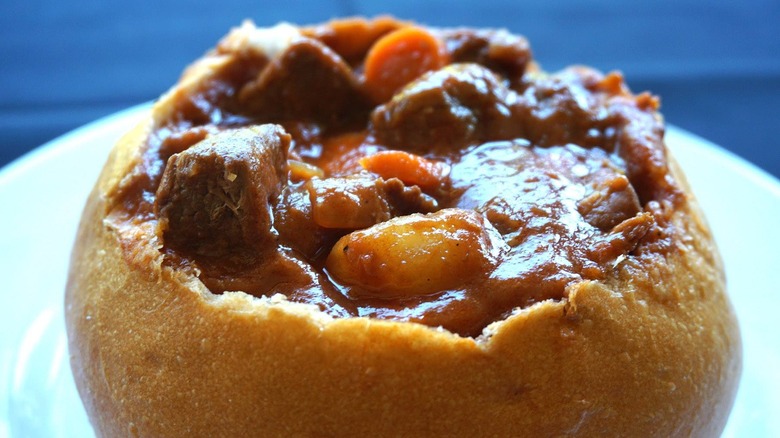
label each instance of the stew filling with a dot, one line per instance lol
(383, 169)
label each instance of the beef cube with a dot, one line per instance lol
(308, 81)
(612, 201)
(453, 107)
(214, 197)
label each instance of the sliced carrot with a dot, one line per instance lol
(410, 168)
(399, 58)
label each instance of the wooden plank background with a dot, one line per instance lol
(715, 64)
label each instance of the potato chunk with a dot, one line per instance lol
(416, 255)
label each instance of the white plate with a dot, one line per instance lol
(42, 196)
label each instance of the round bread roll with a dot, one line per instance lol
(373, 228)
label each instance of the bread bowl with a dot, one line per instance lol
(295, 243)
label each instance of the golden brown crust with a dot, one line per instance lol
(653, 351)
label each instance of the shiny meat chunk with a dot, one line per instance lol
(640, 144)
(558, 109)
(308, 81)
(623, 238)
(453, 107)
(310, 216)
(506, 54)
(295, 225)
(348, 202)
(612, 201)
(582, 106)
(362, 200)
(407, 199)
(214, 197)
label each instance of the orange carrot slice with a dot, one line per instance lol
(410, 168)
(399, 58)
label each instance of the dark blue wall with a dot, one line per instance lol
(716, 64)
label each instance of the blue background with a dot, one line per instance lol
(715, 64)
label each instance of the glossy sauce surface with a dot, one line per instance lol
(475, 187)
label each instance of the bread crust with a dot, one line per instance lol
(654, 350)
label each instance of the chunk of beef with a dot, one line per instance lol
(308, 81)
(504, 53)
(347, 202)
(639, 142)
(582, 106)
(362, 200)
(612, 201)
(453, 107)
(214, 197)
(310, 216)
(294, 222)
(407, 199)
(623, 238)
(558, 109)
